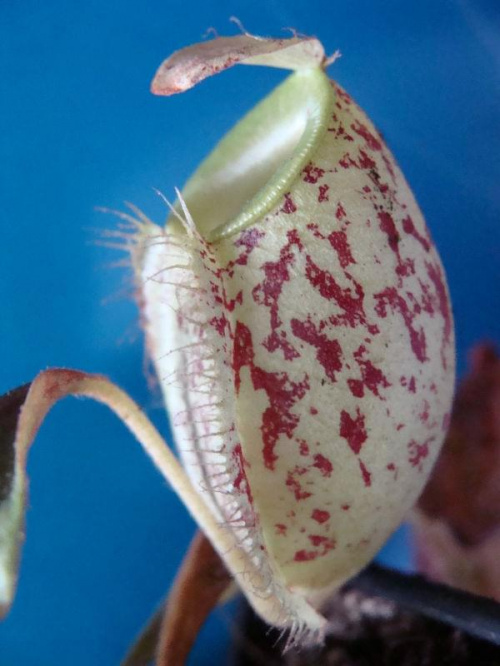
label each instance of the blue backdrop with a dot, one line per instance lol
(79, 129)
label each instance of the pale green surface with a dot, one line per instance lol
(257, 161)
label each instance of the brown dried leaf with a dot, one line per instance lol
(199, 584)
(187, 67)
(443, 557)
(458, 522)
(464, 489)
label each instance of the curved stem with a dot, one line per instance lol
(52, 385)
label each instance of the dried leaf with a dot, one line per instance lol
(464, 489)
(443, 557)
(457, 525)
(187, 67)
(200, 582)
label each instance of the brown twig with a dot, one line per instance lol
(201, 581)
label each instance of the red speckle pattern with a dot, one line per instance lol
(372, 378)
(323, 464)
(320, 516)
(409, 228)
(443, 307)
(418, 452)
(328, 352)
(367, 477)
(303, 447)
(323, 193)
(278, 419)
(289, 206)
(338, 240)
(323, 545)
(332, 335)
(241, 481)
(268, 291)
(353, 430)
(312, 173)
(391, 299)
(293, 483)
(371, 141)
(349, 300)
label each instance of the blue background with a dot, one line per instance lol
(79, 129)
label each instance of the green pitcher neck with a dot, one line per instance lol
(257, 161)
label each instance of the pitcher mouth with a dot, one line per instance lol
(257, 161)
